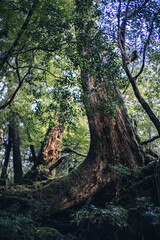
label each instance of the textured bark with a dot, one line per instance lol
(17, 163)
(48, 155)
(112, 141)
(7, 156)
(53, 147)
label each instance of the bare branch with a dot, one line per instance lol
(121, 35)
(17, 70)
(150, 140)
(144, 51)
(58, 162)
(69, 150)
(121, 38)
(145, 105)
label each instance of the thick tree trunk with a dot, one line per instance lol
(112, 141)
(17, 162)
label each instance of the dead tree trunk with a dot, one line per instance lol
(53, 147)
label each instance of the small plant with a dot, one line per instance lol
(19, 226)
(113, 215)
(147, 210)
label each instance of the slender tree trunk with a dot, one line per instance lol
(17, 163)
(34, 157)
(40, 156)
(7, 156)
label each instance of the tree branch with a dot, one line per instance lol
(144, 52)
(19, 35)
(150, 140)
(43, 48)
(69, 150)
(132, 80)
(38, 68)
(17, 70)
(9, 100)
(145, 105)
(121, 35)
(58, 162)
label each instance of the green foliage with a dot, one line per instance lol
(147, 211)
(116, 216)
(44, 233)
(149, 88)
(121, 169)
(77, 137)
(16, 225)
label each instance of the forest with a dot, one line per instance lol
(79, 119)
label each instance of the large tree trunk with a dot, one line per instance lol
(112, 137)
(112, 141)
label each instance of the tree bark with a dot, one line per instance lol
(7, 156)
(48, 154)
(112, 142)
(17, 162)
(53, 147)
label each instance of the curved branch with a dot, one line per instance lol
(9, 100)
(58, 162)
(121, 33)
(121, 37)
(145, 105)
(16, 41)
(38, 68)
(144, 52)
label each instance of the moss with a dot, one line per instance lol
(44, 233)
